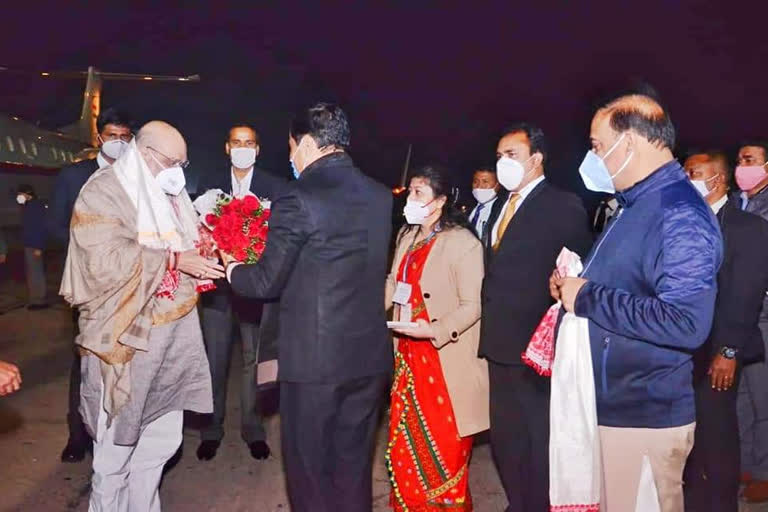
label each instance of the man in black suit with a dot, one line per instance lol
(327, 259)
(528, 231)
(220, 307)
(712, 471)
(115, 132)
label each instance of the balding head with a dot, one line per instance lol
(634, 136)
(161, 145)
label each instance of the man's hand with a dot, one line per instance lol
(423, 331)
(722, 372)
(191, 263)
(569, 289)
(226, 258)
(555, 281)
(10, 378)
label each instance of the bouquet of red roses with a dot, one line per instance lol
(239, 227)
(235, 226)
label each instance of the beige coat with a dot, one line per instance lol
(451, 284)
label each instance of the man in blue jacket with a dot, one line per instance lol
(648, 290)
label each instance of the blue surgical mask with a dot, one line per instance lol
(596, 175)
(296, 172)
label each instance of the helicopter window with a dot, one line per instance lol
(34, 148)
(9, 140)
(22, 146)
(54, 154)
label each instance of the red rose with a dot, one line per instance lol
(211, 219)
(250, 205)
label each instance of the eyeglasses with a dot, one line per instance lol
(174, 163)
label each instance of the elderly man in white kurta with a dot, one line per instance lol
(132, 269)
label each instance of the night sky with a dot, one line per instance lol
(446, 79)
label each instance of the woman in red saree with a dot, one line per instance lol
(439, 393)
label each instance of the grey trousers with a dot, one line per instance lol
(35, 272)
(752, 409)
(217, 332)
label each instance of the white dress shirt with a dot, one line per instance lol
(523, 193)
(482, 219)
(719, 204)
(242, 187)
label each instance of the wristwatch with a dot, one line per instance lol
(728, 352)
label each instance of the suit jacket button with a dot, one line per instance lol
(434, 320)
(454, 335)
(426, 295)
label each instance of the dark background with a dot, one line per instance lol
(445, 77)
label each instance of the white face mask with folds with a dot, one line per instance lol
(171, 179)
(242, 158)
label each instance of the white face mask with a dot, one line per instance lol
(701, 185)
(416, 212)
(483, 195)
(21, 198)
(511, 173)
(242, 158)
(171, 180)
(114, 148)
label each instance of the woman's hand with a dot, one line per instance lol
(191, 263)
(422, 331)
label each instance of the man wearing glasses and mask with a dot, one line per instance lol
(115, 132)
(132, 270)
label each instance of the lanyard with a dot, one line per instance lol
(408, 254)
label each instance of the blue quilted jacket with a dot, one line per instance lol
(650, 296)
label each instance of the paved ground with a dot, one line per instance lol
(33, 432)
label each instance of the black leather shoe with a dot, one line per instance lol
(75, 451)
(207, 450)
(259, 450)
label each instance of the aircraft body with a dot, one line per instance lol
(33, 156)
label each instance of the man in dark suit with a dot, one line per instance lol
(712, 471)
(528, 230)
(220, 308)
(327, 259)
(115, 132)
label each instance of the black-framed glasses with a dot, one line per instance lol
(180, 163)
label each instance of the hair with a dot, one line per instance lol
(643, 114)
(536, 141)
(25, 188)
(113, 116)
(436, 177)
(758, 143)
(485, 168)
(326, 123)
(717, 157)
(245, 125)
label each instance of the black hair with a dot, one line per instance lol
(245, 125)
(113, 116)
(326, 123)
(26, 189)
(536, 141)
(758, 143)
(437, 177)
(485, 168)
(643, 114)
